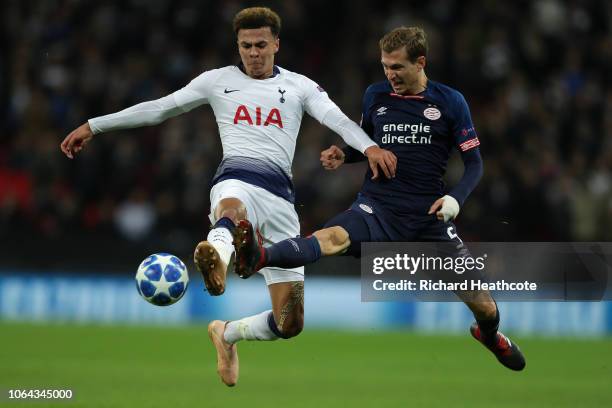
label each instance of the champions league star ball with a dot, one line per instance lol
(162, 279)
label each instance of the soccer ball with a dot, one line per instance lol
(162, 279)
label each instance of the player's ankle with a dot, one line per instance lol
(263, 259)
(488, 328)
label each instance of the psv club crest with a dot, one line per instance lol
(432, 113)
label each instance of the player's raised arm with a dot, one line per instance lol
(319, 106)
(143, 114)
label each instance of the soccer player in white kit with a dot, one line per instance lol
(258, 107)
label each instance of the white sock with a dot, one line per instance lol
(221, 238)
(249, 328)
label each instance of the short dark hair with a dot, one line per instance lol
(412, 38)
(257, 17)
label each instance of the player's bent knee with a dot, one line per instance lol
(231, 208)
(332, 240)
(293, 328)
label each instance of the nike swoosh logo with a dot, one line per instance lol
(230, 90)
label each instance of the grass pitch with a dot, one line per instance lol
(122, 366)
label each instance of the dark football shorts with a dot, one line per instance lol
(368, 221)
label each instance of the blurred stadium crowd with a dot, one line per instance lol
(535, 73)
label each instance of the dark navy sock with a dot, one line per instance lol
(293, 252)
(225, 222)
(272, 325)
(488, 328)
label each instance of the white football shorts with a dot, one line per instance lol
(275, 218)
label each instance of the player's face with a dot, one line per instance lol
(257, 47)
(403, 75)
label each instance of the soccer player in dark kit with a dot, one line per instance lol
(421, 122)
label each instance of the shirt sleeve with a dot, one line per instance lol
(350, 132)
(316, 101)
(150, 113)
(366, 119)
(351, 155)
(318, 105)
(198, 91)
(467, 142)
(472, 162)
(463, 127)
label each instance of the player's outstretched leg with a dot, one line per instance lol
(215, 256)
(227, 353)
(507, 352)
(251, 256)
(250, 253)
(286, 320)
(213, 267)
(485, 329)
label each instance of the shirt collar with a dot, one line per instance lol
(275, 70)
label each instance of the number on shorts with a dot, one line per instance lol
(452, 234)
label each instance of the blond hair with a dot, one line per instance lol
(412, 38)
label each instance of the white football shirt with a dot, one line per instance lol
(257, 118)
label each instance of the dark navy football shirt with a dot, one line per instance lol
(421, 130)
